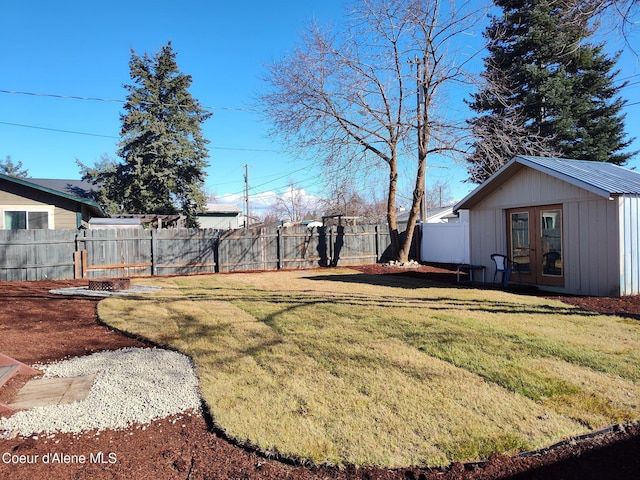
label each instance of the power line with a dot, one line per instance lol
(111, 100)
(53, 95)
(280, 176)
(57, 130)
(280, 187)
(74, 132)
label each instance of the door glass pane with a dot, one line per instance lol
(520, 241)
(15, 220)
(38, 220)
(551, 242)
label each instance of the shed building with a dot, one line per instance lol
(221, 216)
(571, 226)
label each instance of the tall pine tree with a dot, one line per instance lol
(559, 86)
(8, 167)
(164, 153)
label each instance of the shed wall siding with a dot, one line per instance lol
(530, 188)
(590, 245)
(629, 244)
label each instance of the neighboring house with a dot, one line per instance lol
(34, 203)
(441, 215)
(434, 215)
(572, 226)
(221, 216)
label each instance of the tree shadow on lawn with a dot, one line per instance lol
(300, 299)
(415, 280)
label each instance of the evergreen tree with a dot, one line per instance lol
(8, 167)
(162, 145)
(559, 86)
(104, 174)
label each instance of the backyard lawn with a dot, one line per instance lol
(340, 367)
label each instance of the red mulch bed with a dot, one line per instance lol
(36, 326)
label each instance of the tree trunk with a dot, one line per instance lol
(418, 194)
(391, 209)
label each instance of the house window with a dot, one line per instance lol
(21, 220)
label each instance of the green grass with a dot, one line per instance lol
(340, 367)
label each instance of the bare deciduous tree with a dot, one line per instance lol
(501, 134)
(293, 206)
(618, 12)
(439, 195)
(345, 198)
(351, 95)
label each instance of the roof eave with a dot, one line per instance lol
(499, 177)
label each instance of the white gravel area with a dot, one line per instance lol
(132, 385)
(85, 292)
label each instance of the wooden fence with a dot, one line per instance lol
(66, 254)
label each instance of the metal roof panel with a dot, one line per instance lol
(604, 176)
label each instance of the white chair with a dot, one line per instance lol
(505, 266)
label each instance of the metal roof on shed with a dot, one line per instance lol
(601, 178)
(604, 176)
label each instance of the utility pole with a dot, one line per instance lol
(421, 110)
(246, 195)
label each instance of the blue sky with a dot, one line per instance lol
(82, 49)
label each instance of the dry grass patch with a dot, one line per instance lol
(341, 367)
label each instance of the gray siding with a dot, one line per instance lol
(630, 244)
(591, 247)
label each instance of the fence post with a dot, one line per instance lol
(330, 257)
(154, 252)
(216, 251)
(80, 257)
(77, 265)
(279, 248)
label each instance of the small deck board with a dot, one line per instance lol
(10, 367)
(52, 391)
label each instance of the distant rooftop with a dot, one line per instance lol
(222, 208)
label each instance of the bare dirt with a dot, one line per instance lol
(38, 327)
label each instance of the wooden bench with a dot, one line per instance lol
(470, 269)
